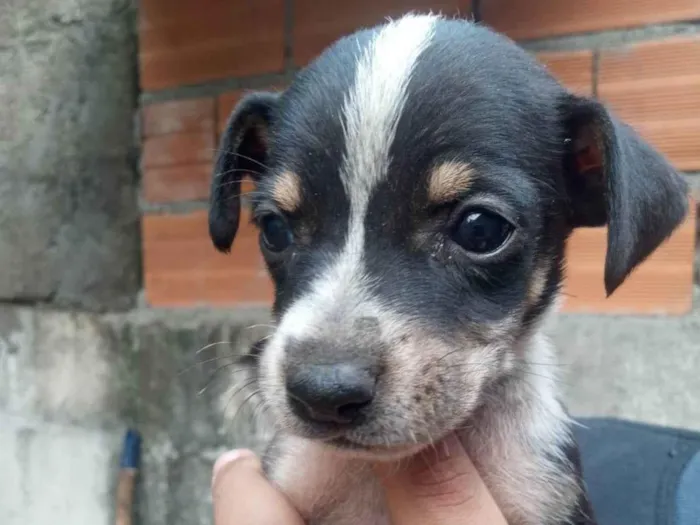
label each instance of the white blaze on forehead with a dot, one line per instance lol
(370, 115)
(374, 105)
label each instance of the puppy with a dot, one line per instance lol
(416, 186)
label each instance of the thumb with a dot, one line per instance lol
(439, 486)
(243, 496)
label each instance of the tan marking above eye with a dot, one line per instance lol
(448, 181)
(286, 191)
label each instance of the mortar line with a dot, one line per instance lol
(595, 65)
(612, 38)
(289, 8)
(214, 88)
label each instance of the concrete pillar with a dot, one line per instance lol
(68, 179)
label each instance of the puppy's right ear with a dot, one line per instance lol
(243, 152)
(616, 178)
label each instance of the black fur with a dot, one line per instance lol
(583, 513)
(637, 193)
(473, 98)
(242, 152)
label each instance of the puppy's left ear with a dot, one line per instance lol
(614, 177)
(243, 152)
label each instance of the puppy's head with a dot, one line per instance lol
(415, 188)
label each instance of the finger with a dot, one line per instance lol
(243, 496)
(440, 486)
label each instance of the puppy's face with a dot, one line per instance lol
(415, 189)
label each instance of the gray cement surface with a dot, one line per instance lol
(70, 384)
(69, 213)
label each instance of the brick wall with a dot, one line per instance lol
(196, 58)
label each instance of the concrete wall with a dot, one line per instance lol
(81, 360)
(69, 215)
(70, 383)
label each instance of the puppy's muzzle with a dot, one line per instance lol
(336, 393)
(331, 381)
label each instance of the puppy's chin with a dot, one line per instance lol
(356, 444)
(351, 449)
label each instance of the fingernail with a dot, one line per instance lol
(227, 458)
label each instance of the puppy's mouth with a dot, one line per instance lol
(375, 452)
(358, 438)
(346, 444)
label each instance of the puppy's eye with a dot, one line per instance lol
(276, 233)
(480, 231)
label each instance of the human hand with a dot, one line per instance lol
(437, 487)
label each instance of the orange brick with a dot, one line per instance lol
(188, 41)
(652, 87)
(182, 268)
(542, 18)
(663, 284)
(177, 183)
(654, 60)
(318, 24)
(224, 106)
(573, 69)
(178, 148)
(177, 116)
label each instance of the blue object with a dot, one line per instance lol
(131, 453)
(640, 474)
(688, 497)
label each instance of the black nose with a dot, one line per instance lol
(330, 393)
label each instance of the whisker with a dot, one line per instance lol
(240, 407)
(210, 345)
(240, 193)
(206, 361)
(517, 361)
(236, 154)
(261, 325)
(261, 405)
(554, 379)
(431, 441)
(445, 449)
(519, 369)
(215, 372)
(239, 390)
(430, 468)
(235, 170)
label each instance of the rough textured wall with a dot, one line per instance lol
(68, 213)
(70, 384)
